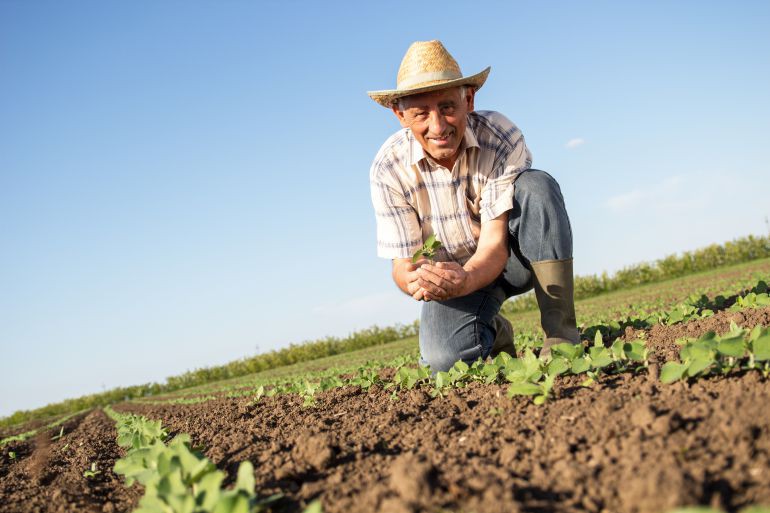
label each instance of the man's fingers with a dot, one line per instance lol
(432, 288)
(429, 271)
(434, 275)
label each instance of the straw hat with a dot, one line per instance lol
(427, 66)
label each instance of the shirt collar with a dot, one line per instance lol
(417, 153)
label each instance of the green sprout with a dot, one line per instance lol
(93, 472)
(61, 433)
(428, 250)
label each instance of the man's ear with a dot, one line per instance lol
(399, 114)
(470, 94)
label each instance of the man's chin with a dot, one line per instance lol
(442, 154)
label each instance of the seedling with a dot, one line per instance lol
(428, 249)
(93, 472)
(61, 433)
(407, 378)
(541, 390)
(367, 377)
(259, 393)
(12, 455)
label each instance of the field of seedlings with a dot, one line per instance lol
(665, 406)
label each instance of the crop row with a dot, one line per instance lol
(646, 312)
(608, 354)
(178, 478)
(28, 434)
(373, 338)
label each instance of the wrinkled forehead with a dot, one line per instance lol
(431, 98)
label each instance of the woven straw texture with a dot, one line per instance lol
(426, 66)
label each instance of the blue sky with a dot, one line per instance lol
(186, 183)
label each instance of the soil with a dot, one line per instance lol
(627, 444)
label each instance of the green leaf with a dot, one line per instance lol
(580, 365)
(699, 365)
(567, 350)
(523, 389)
(558, 366)
(245, 480)
(600, 357)
(731, 347)
(635, 351)
(598, 340)
(442, 379)
(314, 507)
(617, 350)
(460, 367)
(761, 347)
(672, 371)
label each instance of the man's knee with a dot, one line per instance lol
(441, 357)
(537, 184)
(467, 343)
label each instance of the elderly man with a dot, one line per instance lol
(464, 176)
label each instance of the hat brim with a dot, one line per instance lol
(387, 97)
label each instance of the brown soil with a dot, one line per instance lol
(47, 475)
(628, 444)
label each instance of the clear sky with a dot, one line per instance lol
(186, 183)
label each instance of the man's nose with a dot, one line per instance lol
(437, 124)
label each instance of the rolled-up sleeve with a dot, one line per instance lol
(512, 158)
(399, 234)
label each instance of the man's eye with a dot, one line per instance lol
(448, 110)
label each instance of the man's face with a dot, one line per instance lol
(437, 120)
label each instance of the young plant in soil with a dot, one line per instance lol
(428, 249)
(92, 472)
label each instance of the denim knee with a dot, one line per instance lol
(458, 329)
(442, 359)
(538, 223)
(539, 185)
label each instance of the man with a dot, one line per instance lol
(465, 177)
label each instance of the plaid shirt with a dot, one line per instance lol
(414, 197)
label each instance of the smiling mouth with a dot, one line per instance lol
(440, 141)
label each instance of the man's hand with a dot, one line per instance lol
(406, 276)
(442, 281)
(447, 280)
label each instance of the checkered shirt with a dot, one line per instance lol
(414, 197)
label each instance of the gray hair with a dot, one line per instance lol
(399, 103)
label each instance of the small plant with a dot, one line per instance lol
(61, 434)
(12, 455)
(92, 472)
(407, 378)
(366, 378)
(428, 250)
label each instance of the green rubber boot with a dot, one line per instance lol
(554, 290)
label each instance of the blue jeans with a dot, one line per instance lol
(539, 229)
